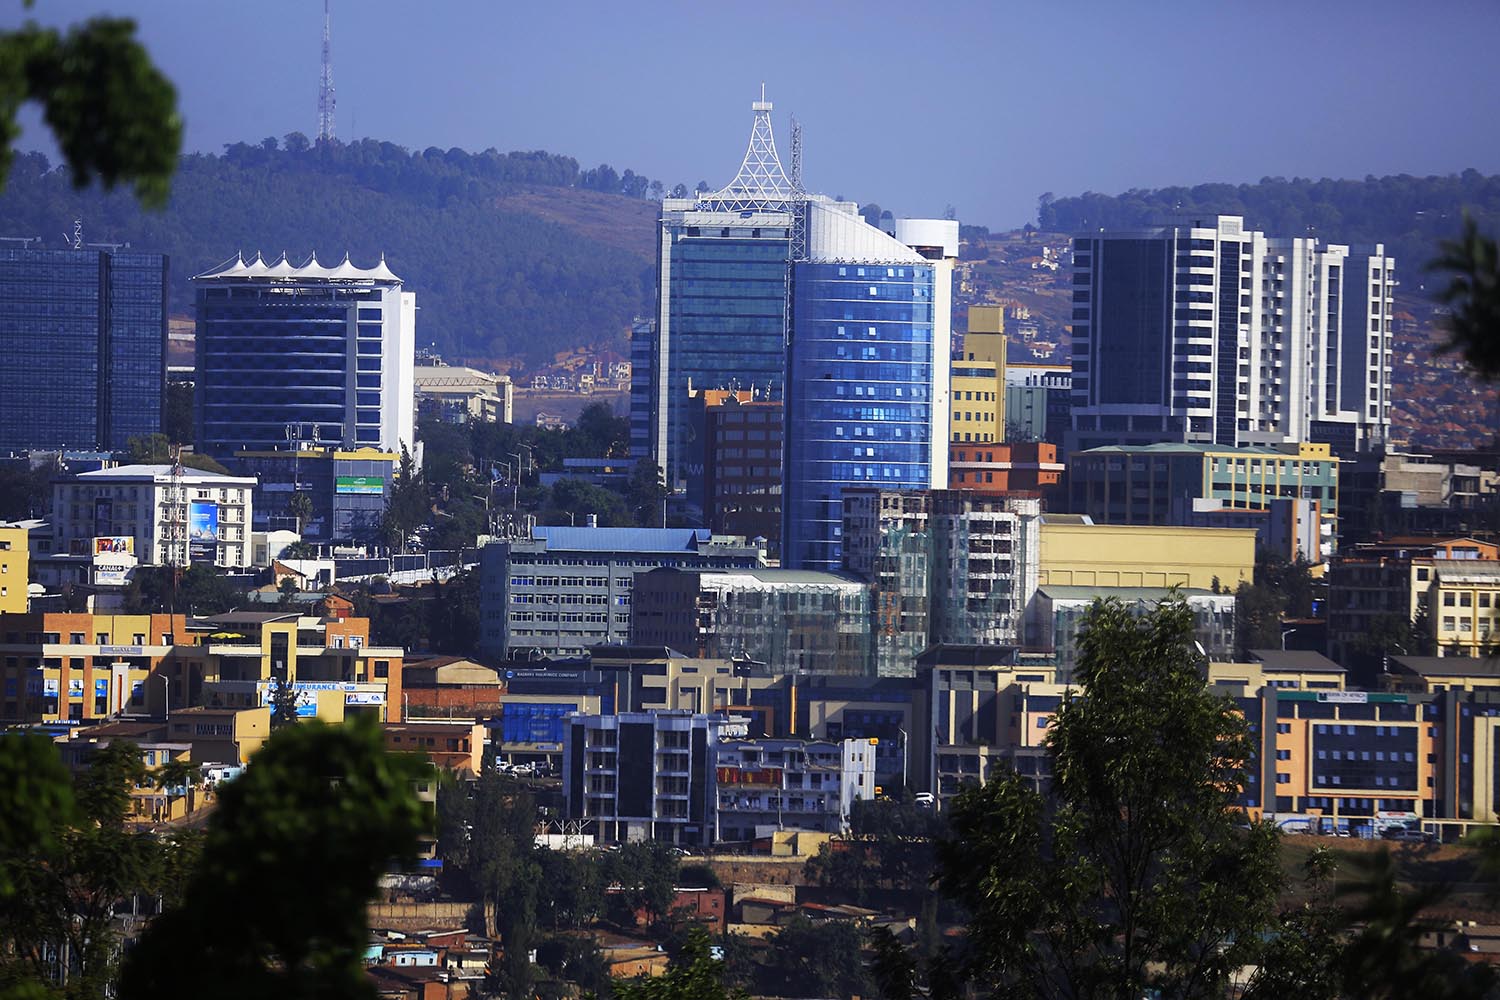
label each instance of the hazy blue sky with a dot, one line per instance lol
(915, 105)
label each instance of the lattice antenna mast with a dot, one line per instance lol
(798, 249)
(796, 155)
(326, 101)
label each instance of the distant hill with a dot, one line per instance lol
(1410, 215)
(511, 255)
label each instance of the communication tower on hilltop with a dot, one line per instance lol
(326, 100)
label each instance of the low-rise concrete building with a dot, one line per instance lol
(790, 620)
(558, 591)
(790, 784)
(158, 514)
(456, 395)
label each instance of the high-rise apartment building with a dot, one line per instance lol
(764, 286)
(287, 351)
(947, 566)
(84, 336)
(1201, 331)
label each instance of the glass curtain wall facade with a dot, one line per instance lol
(308, 348)
(724, 302)
(83, 334)
(859, 398)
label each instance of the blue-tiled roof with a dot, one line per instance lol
(581, 539)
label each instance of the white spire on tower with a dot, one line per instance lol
(761, 182)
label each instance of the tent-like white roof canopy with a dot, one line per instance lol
(238, 269)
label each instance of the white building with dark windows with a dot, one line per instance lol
(1202, 331)
(790, 784)
(291, 352)
(151, 515)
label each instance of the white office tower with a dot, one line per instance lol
(1201, 331)
(304, 352)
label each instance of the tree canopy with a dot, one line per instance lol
(112, 112)
(1129, 877)
(276, 905)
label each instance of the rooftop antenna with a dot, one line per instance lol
(796, 177)
(326, 100)
(77, 238)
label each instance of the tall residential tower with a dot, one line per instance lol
(1201, 331)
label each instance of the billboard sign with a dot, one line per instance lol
(366, 485)
(114, 545)
(203, 531)
(364, 698)
(111, 577)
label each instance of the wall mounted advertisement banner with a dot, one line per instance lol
(203, 531)
(116, 545)
(371, 485)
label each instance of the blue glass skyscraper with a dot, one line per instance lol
(83, 333)
(750, 295)
(859, 397)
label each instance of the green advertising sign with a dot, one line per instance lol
(359, 484)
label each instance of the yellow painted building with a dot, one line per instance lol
(978, 379)
(81, 667)
(1246, 680)
(15, 566)
(328, 662)
(221, 735)
(1463, 605)
(1076, 553)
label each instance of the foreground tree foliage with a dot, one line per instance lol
(276, 905)
(69, 860)
(1472, 296)
(1130, 878)
(112, 112)
(693, 975)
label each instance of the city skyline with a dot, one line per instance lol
(990, 90)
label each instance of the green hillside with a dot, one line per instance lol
(1410, 215)
(515, 255)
